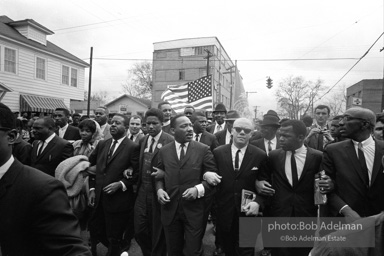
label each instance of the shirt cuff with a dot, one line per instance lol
(124, 187)
(91, 189)
(342, 208)
(200, 190)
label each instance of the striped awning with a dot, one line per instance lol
(33, 103)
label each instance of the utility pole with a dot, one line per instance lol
(209, 55)
(231, 95)
(90, 82)
(256, 111)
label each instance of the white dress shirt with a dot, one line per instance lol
(273, 144)
(63, 130)
(102, 128)
(241, 154)
(198, 136)
(5, 167)
(149, 141)
(222, 126)
(45, 143)
(227, 137)
(300, 155)
(369, 154)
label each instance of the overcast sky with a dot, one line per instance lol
(249, 31)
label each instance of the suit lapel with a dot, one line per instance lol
(48, 148)
(142, 148)
(351, 152)
(9, 177)
(282, 156)
(377, 162)
(119, 149)
(308, 161)
(246, 161)
(228, 160)
(188, 153)
(202, 138)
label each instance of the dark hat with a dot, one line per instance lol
(220, 108)
(232, 115)
(271, 119)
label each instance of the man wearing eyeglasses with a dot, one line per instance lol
(35, 216)
(355, 166)
(238, 165)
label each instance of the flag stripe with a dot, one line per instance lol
(197, 93)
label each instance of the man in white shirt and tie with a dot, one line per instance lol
(218, 115)
(269, 127)
(238, 165)
(355, 164)
(293, 168)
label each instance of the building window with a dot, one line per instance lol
(181, 74)
(65, 75)
(73, 77)
(201, 50)
(9, 60)
(40, 68)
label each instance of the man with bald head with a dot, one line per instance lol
(355, 166)
(238, 165)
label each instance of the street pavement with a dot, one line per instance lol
(208, 243)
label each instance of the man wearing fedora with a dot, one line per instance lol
(225, 136)
(269, 127)
(218, 115)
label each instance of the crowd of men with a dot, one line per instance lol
(160, 178)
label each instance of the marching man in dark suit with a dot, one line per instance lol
(35, 216)
(292, 170)
(182, 190)
(218, 116)
(355, 165)
(65, 131)
(148, 228)
(238, 165)
(199, 122)
(269, 126)
(225, 136)
(111, 192)
(49, 150)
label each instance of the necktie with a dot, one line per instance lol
(295, 178)
(151, 147)
(363, 163)
(321, 142)
(218, 128)
(197, 137)
(110, 153)
(237, 160)
(131, 138)
(269, 146)
(182, 154)
(231, 140)
(41, 147)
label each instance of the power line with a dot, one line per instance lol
(365, 54)
(255, 60)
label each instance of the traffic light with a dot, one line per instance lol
(269, 83)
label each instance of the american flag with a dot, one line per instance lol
(197, 93)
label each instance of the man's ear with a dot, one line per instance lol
(12, 136)
(173, 130)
